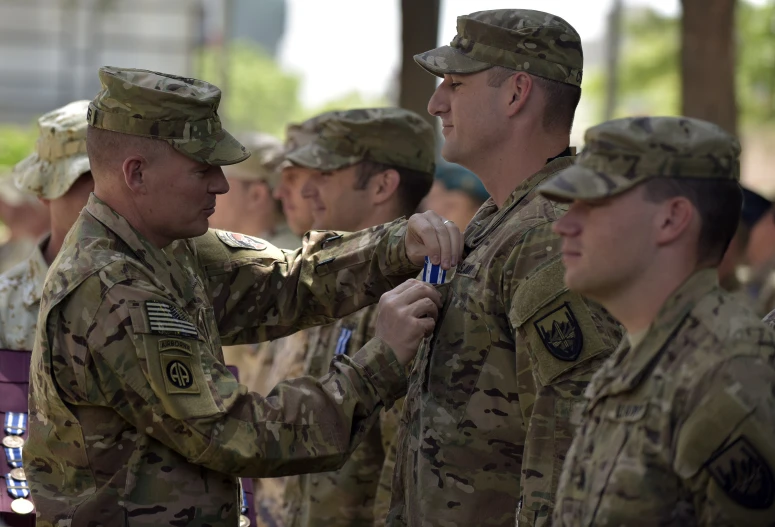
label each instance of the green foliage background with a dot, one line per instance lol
(649, 67)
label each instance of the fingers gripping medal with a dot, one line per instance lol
(434, 274)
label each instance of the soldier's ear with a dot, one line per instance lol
(518, 89)
(384, 185)
(675, 219)
(134, 176)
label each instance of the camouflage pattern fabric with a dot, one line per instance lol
(486, 420)
(60, 153)
(128, 383)
(20, 293)
(679, 430)
(281, 359)
(15, 252)
(539, 43)
(350, 496)
(622, 153)
(391, 136)
(178, 110)
(760, 289)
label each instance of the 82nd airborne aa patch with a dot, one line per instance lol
(243, 241)
(744, 475)
(561, 334)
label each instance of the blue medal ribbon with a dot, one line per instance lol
(15, 423)
(17, 489)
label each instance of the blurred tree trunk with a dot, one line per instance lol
(708, 61)
(419, 32)
(612, 51)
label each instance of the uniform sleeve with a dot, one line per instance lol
(724, 448)
(561, 340)
(260, 292)
(173, 388)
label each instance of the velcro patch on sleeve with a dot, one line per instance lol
(167, 319)
(178, 374)
(241, 241)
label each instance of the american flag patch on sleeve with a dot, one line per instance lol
(167, 319)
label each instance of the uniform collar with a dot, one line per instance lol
(628, 367)
(158, 261)
(35, 273)
(490, 216)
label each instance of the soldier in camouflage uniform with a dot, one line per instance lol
(282, 359)
(370, 166)
(486, 423)
(677, 425)
(250, 208)
(58, 174)
(134, 419)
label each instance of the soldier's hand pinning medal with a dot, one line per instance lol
(407, 314)
(428, 234)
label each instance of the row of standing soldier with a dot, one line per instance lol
(673, 428)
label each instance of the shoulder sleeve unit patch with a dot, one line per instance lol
(241, 241)
(561, 334)
(166, 319)
(744, 475)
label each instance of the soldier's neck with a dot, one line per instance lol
(506, 169)
(637, 303)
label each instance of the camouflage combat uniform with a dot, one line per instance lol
(134, 419)
(677, 430)
(358, 494)
(486, 423)
(58, 161)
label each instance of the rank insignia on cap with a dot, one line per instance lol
(243, 241)
(744, 475)
(166, 319)
(561, 334)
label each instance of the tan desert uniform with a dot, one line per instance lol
(676, 429)
(134, 419)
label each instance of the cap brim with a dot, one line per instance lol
(316, 157)
(447, 60)
(219, 149)
(47, 180)
(580, 183)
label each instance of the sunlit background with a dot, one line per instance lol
(284, 60)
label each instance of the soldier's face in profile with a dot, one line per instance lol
(607, 243)
(471, 116)
(180, 194)
(295, 208)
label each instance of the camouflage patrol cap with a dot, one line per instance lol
(391, 136)
(298, 135)
(266, 154)
(622, 153)
(539, 43)
(60, 153)
(178, 110)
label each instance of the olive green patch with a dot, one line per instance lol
(178, 375)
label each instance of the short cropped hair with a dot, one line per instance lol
(561, 98)
(105, 147)
(413, 185)
(718, 203)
